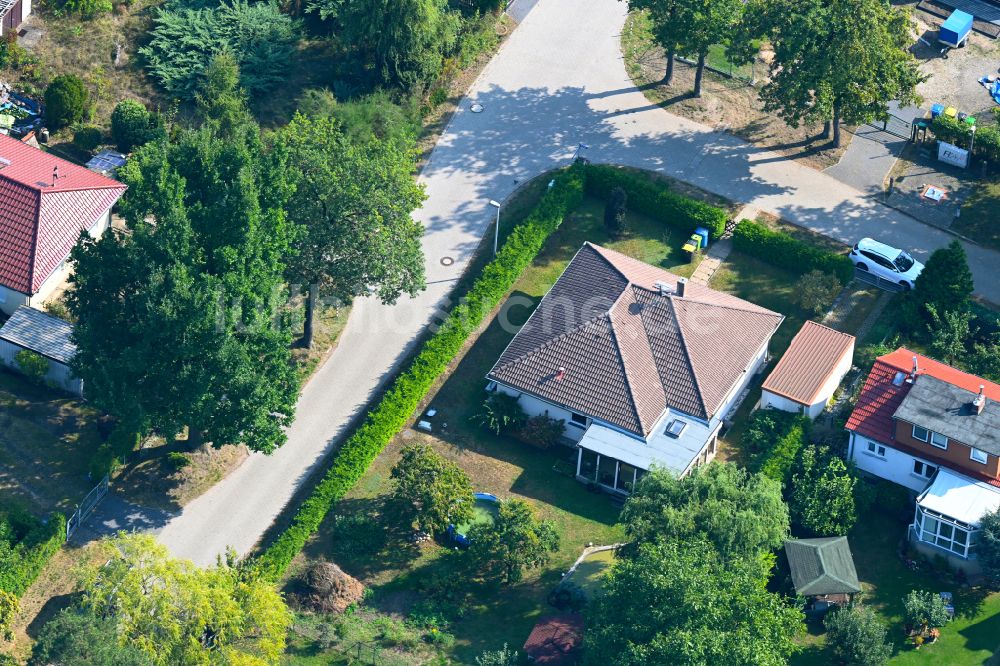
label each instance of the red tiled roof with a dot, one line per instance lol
(42, 217)
(880, 398)
(815, 353)
(554, 639)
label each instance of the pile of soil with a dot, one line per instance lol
(326, 588)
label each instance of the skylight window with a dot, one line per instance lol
(675, 428)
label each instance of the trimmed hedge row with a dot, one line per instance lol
(777, 461)
(30, 555)
(655, 200)
(950, 130)
(396, 407)
(780, 249)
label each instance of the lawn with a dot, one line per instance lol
(590, 573)
(971, 638)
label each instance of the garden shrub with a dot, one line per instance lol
(776, 462)
(542, 431)
(132, 125)
(654, 200)
(950, 130)
(32, 364)
(88, 138)
(66, 101)
(26, 545)
(925, 609)
(8, 611)
(178, 460)
(110, 455)
(781, 249)
(500, 413)
(403, 397)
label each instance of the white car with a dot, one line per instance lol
(886, 262)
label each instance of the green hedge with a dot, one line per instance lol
(28, 557)
(777, 461)
(950, 130)
(780, 249)
(396, 407)
(655, 200)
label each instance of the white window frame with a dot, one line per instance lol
(574, 422)
(926, 471)
(927, 433)
(875, 449)
(934, 436)
(943, 533)
(984, 456)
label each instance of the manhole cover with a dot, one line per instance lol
(447, 261)
(476, 108)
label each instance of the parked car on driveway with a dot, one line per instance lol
(886, 262)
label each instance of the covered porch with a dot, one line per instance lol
(616, 461)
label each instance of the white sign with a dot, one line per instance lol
(953, 155)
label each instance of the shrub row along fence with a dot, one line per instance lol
(398, 404)
(21, 564)
(777, 461)
(987, 144)
(781, 249)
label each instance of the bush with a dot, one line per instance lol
(399, 402)
(21, 563)
(66, 101)
(780, 249)
(83, 8)
(8, 611)
(817, 291)
(614, 213)
(503, 657)
(988, 548)
(925, 609)
(500, 413)
(856, 637)
(131, 125)
(32, 364)
(88, 138)
(777, 461)
(110, 455)
(177, 460)
(823, 493)
(654, 200)
(950, 130)
(542, 431)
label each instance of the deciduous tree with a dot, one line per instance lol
(945, 283)
(822, 493)
(925, 609)
(431, 491)
(516, 540)
(856, 636)
(353, 203)
(741, 513)
(78, 637)
(988, 548)
(837, 60)
(678, 602)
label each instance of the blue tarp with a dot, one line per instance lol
(956, 29)
(995, 91)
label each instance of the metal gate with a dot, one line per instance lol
(876, 281)
(894, 125)
(88, 504)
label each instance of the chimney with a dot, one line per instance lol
(681, 286)
(980, 402)
(561, 374)
(913, 373)
(55, 175)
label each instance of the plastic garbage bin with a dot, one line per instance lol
(703, 232)
(937, 110)
(951, 112)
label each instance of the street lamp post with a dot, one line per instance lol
(496, 230)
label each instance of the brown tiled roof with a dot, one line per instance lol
(629, 351)
(814, 354)
(554, 639)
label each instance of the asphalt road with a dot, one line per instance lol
(557, 82)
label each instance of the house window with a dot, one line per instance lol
(579, 420)
(943, 532)
(606, 469)
(939, 440)
(588, 464)
(626, 477)
(876, 449)
(920, 433)
(979, 456)
(922, 469)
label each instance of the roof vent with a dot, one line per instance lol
(980, 401)
(675, 428)
(665, 288)
(561, 374)
(898, 379)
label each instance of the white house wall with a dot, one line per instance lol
(775, 401)
(533, 406)
(11, 300)
(748, 375)
(59, 374)
(896, 466)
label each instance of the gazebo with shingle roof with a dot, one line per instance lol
(822, 567)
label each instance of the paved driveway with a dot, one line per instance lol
(559, 80)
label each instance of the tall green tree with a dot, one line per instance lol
(837, 60)
(178, 613)
(430, 490)
(516, 540)
(353, 203)
(988, 548)
(178, 320)
(950, 333)
(945, 283)
(856, 636)
(404, 41)
(742, 514)
(823, 493)
(678, 602)
(78, 637)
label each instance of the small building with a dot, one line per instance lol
(13, 13)
(555, 640)
(955, 30)
(822, 571)
(48, 336)
(806, 377)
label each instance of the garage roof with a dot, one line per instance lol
(811, 359)
(41, 333)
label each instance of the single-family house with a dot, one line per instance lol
(822, 571)
(642, 365)
(933, 429)
(810, 370)
(45, 202)
(35, 331)
(12, 15)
